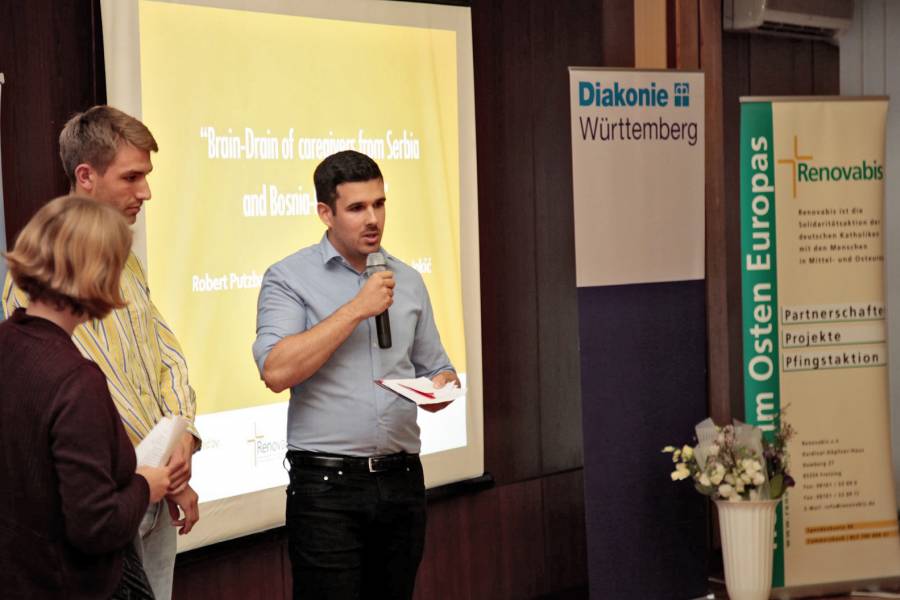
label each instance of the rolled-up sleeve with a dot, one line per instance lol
(280, 312)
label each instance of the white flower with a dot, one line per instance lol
(704, 480)
(739, 486)
(681, 472)
(718, 474)
(669, 449)
(745, 478)
(751, 465)
(758, 479)
(687, 452)
(726, 490)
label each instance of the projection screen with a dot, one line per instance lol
(245, 99)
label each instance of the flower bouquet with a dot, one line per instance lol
(735, 462)
(746, 474)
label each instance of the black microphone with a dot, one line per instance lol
(374, 264)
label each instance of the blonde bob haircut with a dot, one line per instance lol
(71, 255)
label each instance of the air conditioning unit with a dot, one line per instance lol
(817, 19)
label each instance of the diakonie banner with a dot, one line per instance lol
(815, 351)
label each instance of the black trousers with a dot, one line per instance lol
(355, 535)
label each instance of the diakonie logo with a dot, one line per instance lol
(595, 93)
(804, 171)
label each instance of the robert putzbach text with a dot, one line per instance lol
(223, 283)
(760, 259)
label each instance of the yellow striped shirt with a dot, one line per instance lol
(143, 362)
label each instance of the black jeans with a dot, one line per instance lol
(355, 535)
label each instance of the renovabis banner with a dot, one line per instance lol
(815, 349)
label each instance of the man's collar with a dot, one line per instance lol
(329, 252)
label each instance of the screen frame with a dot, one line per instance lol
(228, 518)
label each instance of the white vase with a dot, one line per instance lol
(748, 532)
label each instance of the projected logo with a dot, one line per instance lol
(265, 449)
(804, 171)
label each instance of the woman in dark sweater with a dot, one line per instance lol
(70, 499)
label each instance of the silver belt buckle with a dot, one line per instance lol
(372, 468)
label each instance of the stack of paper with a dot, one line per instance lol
(156, 449)
(422, 391)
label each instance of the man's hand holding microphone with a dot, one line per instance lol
(376, 296)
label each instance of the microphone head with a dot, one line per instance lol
(376, 259)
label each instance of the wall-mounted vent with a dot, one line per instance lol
(817, 19)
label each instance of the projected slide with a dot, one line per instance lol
(244, 106)
(245, 101)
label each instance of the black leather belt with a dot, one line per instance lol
(358, 464)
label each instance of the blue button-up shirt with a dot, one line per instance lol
(340, 409)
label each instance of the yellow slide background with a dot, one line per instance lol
(323, 79)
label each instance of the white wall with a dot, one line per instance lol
(870, 65)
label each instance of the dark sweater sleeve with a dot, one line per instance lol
(89, 447)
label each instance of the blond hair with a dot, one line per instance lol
(71, 254)
(94, 137)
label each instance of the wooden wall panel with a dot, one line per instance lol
(617, 32)
(521, 541)
(826, 78)
(735, 83)
(49, 55)
(771, 66)
(565, 546)
(529, 315)
(801, 59)
(460, 549)
(252, 567)
(719, 348)
(686, 29)
(503, 110)
(650, 34)
(560, 379)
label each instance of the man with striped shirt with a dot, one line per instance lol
(106, 155)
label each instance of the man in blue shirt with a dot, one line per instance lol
(356, 500)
